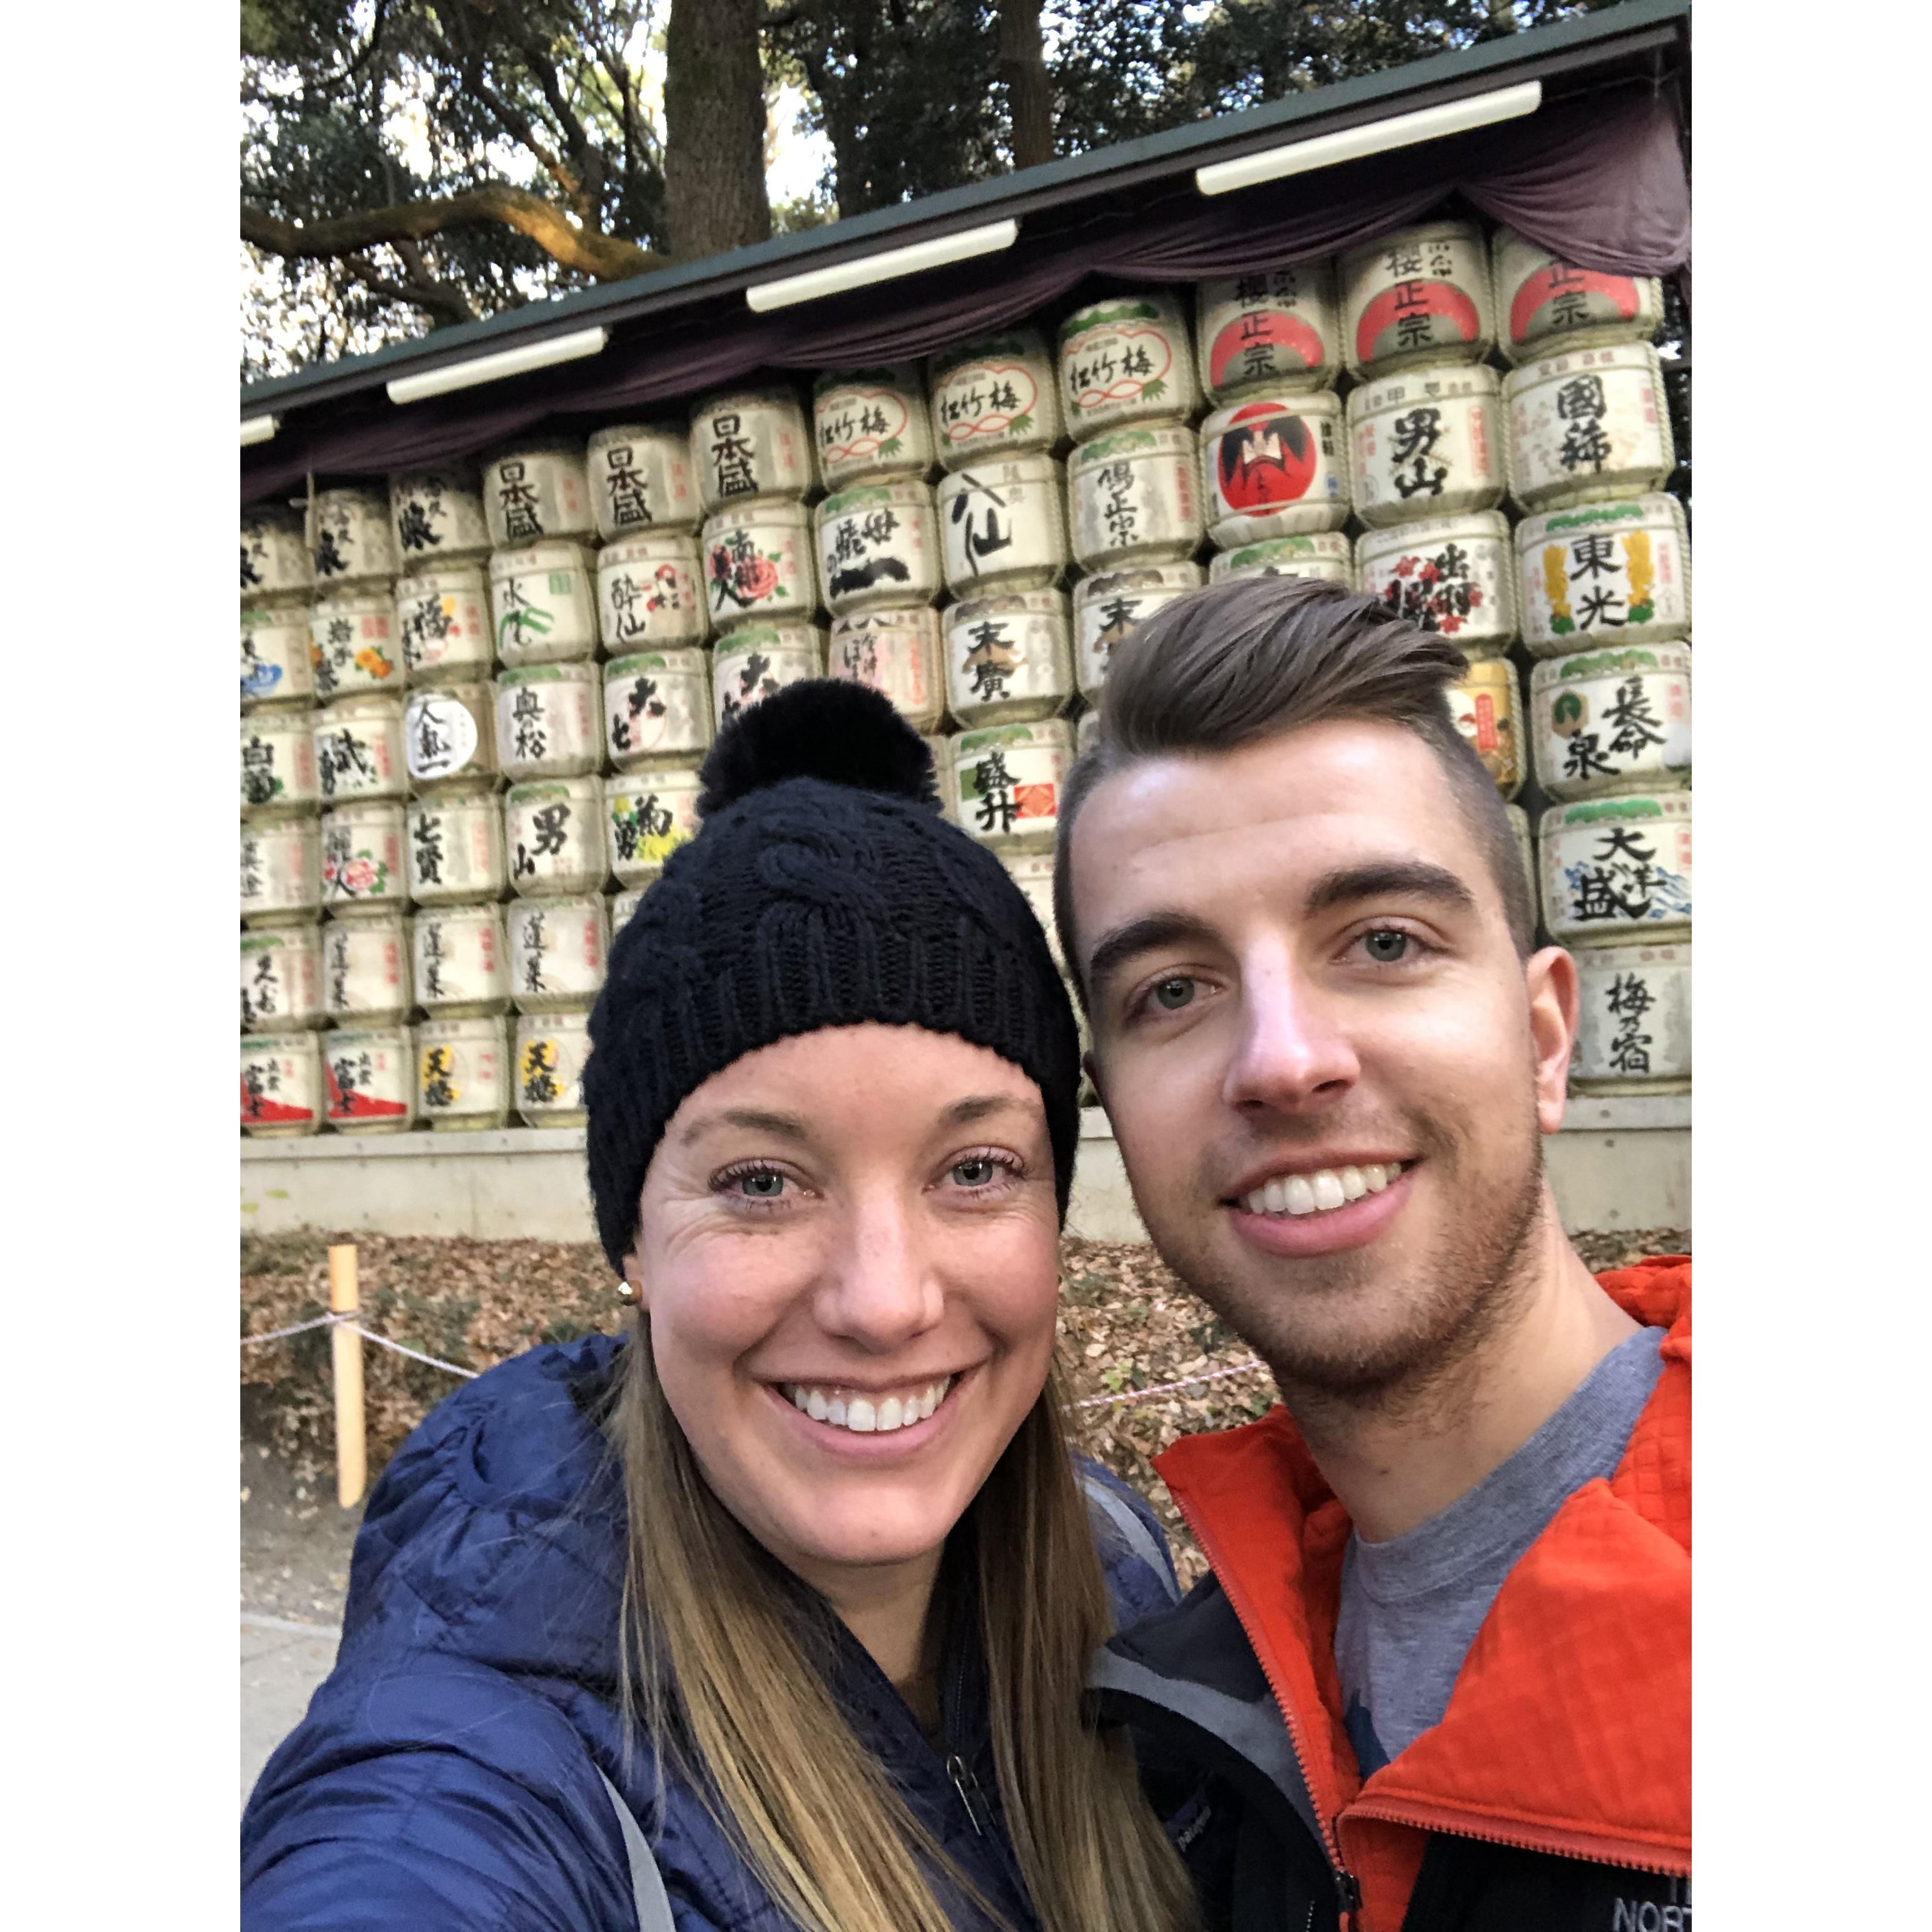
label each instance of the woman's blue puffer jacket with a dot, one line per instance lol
(446, 1775)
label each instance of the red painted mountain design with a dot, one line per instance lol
(1265, 456)
(1294, 345)
(1450, 315)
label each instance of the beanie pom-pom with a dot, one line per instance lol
(830, 729)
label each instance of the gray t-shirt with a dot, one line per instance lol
(1410, 1607)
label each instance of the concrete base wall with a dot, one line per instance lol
(1620, 1163)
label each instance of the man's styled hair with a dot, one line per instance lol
(1221, 667)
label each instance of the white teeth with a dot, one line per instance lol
(1276, 1193)
(1354, 1184)
(1374, 1179)
(1328, 1194)
(816, 1406)
(1322, 1192)
(835, 1413)
(1301, 1195)
(861, 1417)
(891, 1413)
(864, 1414)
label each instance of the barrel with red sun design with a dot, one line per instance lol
(1421, 295)
(1273, 330)
(1546, 305)
(281, 1085)
(1275, 466)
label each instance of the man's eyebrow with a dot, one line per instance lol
(1124, 942)
(786, 1127)
(1395, 878)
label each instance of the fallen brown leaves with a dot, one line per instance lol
(1126, 1325)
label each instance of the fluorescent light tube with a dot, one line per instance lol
(883, 267)
(1372, 137)
(494, 368)
(259, 429)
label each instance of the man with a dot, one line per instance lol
(1440, 1675)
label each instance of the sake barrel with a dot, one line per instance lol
(281, 1085)
(551, 1049)
(877, 544)
(1007, 781)
(1525, 847)
(895, 648)
(370, 1073)
(437, 514)
(543, 601)
(650, 593)
(365, 970)
(1544, 305)
(1135, 497)
(1326, 554)
(278, 761)
(1107, 609)
(546, 721)
(460, 963)
(1275, 329)
(1632, 1020)
(537, 491)
(1488, 712)
(281, 980)
(1426, 443)
(455, 842)
(276, 662)
(1604, 574)
(275, 561)
(867, 423)
(1003, 524)
(1617, 870)
(622, 905)
(1124, 360)
(1454, 574)
(463, 1074)
(755, 660)
(994, 397)
(1587, 426)
(1274, 465)
(1613, 720)
(364, 866)
(750, 443)
(358, 749)
(557, 947)
(353, 642)
(757, 563)
(1009, 657)
(352, 539)
(657, 708)
(640, 480)
(442, 619)
(647, 816)
(1421, 295)
(281, 869)
(554, 835)
(1033, 873)
(449, 735)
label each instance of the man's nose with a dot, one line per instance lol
(880, 1289)
(1292, 1050)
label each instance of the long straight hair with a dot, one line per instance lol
(728, 1680)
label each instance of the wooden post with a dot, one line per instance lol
(351, 1448)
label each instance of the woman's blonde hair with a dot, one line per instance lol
(729, 1684)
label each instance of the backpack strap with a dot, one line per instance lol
(647, 1884)
(1134, 1533)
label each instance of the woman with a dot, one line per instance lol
(824, 1640)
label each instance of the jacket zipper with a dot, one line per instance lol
(1347, 1890)
(1455, 1824)
(964, 1781)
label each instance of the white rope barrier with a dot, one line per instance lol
(300, 1328)
(1163, 1388)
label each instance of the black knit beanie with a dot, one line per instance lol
(824, 888)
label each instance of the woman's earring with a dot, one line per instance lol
(627, 1289)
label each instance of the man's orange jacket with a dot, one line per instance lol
(1556, 1793)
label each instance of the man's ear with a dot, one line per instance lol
(1549, 978)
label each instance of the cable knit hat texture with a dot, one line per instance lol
(824, 888)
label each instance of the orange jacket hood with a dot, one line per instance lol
(1568, 1729)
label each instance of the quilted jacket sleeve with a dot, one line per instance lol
(434, 1795)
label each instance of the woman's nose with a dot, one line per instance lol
(880, 1289)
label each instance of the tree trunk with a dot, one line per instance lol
(1023, 69)
(714, 196)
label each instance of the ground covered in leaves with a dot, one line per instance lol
(1128, 1329)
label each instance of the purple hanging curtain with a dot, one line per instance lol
(1599, 181)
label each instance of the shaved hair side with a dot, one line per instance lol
(1222, 667)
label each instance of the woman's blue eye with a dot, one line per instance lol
(762, 1185)
(1173, 994)
(977, 1172)
(1386, 946)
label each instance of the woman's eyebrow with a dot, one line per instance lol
(978, 1106)
(753, 1120)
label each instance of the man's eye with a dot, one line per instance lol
(1173, 994)
(1386, 946)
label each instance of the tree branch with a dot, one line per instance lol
(602, 257)
(443, 300)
